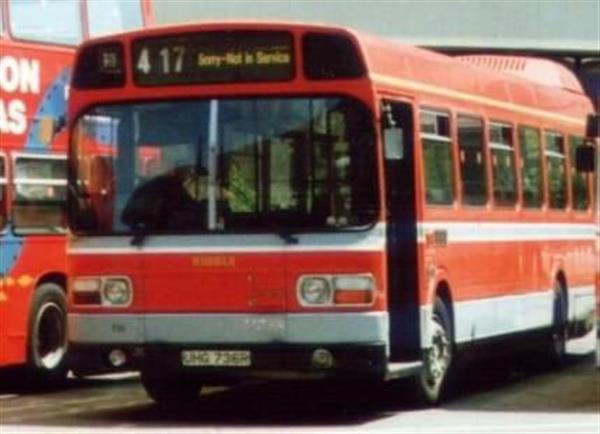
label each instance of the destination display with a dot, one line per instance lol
(213, 57)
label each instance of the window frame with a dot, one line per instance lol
(541, 164)
(553, 154)
(82, 21)
(87, 20)
(4, 183)
(448, 141)
(35, 181)
(484, 154)
(572, 173)
(491, 145)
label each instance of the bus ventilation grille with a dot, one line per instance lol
(539, 71)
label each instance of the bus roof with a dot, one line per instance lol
(517, 81)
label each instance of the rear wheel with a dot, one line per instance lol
(47, 337)
(437, 359)
(171, 391)
(557, 347)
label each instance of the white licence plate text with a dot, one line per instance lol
(215, 358)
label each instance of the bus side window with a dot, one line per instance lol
(556, 170)
(579, 180)
(112, 16)
(438, 158)
(472, 160)
(56, 22)
(1, 21)
(40, 194)
(531, 167)
(3, 198)
(503, 164)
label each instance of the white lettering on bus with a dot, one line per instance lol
(21, 74)
(13, 119)
(17, 76)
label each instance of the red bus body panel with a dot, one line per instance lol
(475, 263)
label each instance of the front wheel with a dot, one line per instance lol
(171, 391)
(47, 337)
(437, 359)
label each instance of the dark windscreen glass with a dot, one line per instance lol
(225, 165)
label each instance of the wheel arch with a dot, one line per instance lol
(444, 292)
(57, 278)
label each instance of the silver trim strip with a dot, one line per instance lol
(319, 328)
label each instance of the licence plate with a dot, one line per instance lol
(215, 358)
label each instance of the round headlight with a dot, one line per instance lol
(315, 290)
(117, 292)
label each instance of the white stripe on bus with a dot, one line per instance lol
(373, 240)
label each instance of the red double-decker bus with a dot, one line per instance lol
(300, 201)
(37, 44)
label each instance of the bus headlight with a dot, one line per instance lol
(314, 291)
(337, 290)
(116, 291)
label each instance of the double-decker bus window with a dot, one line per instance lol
(1, 22)
(56, 21)
(40, 193)
(531, 167)
(3, 198)
(278, 162)
(556, 170)
(111, 16)
(579, 180)
(437, 153)
(503, 164)
(472, 160)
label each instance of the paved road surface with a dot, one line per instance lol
(506, 396)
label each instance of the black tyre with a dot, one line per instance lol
(557, 347)
(47, 335)
(432, 382)
(171, 391)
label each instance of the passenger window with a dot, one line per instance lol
(503, 164)
(579, 181)
(40, 193)
(3, 190)
(472, 160)
(1, 21)
(556, 170)
(56, 21)
(437, 153)
(111, 16)
(531, 167)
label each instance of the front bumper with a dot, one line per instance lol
(272, 361)
(281, 345)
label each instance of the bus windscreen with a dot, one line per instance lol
(213, 57)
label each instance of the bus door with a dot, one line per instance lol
(402, 243)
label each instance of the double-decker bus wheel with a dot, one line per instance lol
(171, 391)
(47, 337)
(437, 360)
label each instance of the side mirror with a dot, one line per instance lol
(394, 144)
(585, 159)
